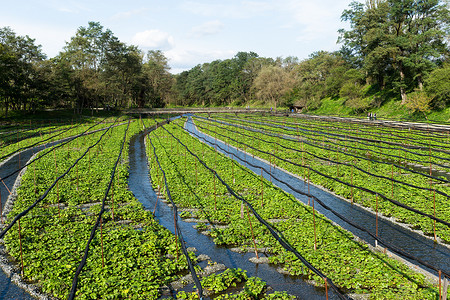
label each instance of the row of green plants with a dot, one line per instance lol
(46, 134)
(408, 141)
(423, 200)
(415, 150)
(331, 144)
(217, 285)
(131, 256)
(348, 263)
(371, 130)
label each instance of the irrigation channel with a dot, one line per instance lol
(140, 185)
(419, 246)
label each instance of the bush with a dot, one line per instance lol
(437, 87)
(418, 102)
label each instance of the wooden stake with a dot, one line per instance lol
(251, 229)
(156, 203)
(309, 198)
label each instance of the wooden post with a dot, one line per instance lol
(253, 236)
(326, 288)
(156, 203)
(309, 198)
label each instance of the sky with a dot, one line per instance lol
(189, 32)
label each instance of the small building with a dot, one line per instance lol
(297, 107)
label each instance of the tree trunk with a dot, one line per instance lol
(420, 82)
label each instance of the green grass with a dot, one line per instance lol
(391, 109)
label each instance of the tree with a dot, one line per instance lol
(397, 41)
(437, 87)
(318, 77)
(19, 58)
(158, 80)
(93, 53)
(272, 83)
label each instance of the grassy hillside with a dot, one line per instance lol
(391, 109)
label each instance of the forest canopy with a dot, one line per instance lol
(392, 50)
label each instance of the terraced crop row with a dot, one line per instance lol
(352, 266)
(365, 169)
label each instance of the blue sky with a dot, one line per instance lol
(189, 32)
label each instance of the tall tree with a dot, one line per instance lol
(19, 58)
(272, 83)
(88, 55)
(397, 41)
(159, 80)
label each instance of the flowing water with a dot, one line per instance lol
(411, 242)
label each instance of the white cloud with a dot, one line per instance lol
(208, 28)
(154, 39)
(182, 59)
